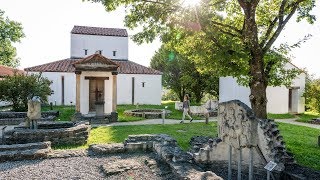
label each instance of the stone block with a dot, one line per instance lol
(107, 148)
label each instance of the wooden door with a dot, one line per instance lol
(96, 92)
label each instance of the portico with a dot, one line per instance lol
(96, 85)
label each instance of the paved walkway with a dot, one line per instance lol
(293, 121)
(156, 121)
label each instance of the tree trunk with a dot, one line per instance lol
(258, 95)
(258, 82)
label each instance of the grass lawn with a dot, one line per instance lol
(303, 143)
(175, 114)
(280, 116)
(307, 116)
(66, 112)
(181, 132)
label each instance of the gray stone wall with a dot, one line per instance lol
(76, 135)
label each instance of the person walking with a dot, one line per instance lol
(186, 108)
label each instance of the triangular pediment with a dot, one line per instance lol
(96, 62)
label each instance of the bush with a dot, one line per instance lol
(312, 95)
(19, 88)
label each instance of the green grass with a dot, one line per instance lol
(117, 134)
(307, 116)
(303, 143)
(280, 116)
(175, 114)
(65, 112)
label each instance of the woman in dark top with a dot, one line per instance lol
(186, 107)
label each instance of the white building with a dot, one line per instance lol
(99, 70)
(280, 99)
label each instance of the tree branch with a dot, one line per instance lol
(281, 25)
(227, 26)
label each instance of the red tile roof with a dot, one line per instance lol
(8, 71)
(99, 31)
(66, 65)
(96, 58)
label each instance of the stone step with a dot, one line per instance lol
(28, 151)
(15, 147)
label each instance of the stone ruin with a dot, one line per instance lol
(59, 133)
(244, 141)
(209, 108)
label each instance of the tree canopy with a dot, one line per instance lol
(233, 37)
(182, 76)
(10, 32)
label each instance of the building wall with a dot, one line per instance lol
(278, 97)
(93, 43)
(149, 94)
(56, 87)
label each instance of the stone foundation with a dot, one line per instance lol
(181, 163)
(76, 135)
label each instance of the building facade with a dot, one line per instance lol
(281, 99)
(98, 70)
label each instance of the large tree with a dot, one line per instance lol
(235, 35)
(10, 32)
(182, 76)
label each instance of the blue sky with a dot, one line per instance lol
(47, 25)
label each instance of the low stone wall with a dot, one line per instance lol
(166, 147)
(6, 115)
(15, 118)
(147, 113)
(76, 135)
(28, 151)
(106, 119)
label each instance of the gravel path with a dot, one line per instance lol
(83, 168)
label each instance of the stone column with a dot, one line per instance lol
(114, 91)
(78, 74)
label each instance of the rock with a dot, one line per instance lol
(120, 166)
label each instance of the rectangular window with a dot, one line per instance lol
(143, 83)
(62, 90)
(99, 51)
(114, 53)
(85, 52)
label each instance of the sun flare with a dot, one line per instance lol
(188, 3)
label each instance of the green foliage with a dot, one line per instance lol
(230, 38)
(10, 32)
(312, 94)
(169, 95)
(303, 143)
(182, 76)
(19, 88)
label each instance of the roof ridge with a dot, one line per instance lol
(99, 27)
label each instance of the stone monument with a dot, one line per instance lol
(34, 112)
